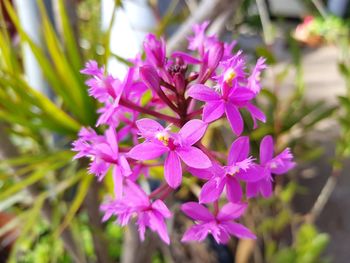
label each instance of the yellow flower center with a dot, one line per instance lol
(163, 137)
(233, 170)
(229, 76)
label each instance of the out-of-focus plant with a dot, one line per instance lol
(39, 180)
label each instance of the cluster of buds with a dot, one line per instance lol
(157, 116)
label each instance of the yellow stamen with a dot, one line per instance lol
(163, 137)
(229, 76)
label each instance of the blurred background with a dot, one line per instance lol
(49, 205)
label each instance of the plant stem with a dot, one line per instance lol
(216, 207)
(133, 106)
(158, 191)
(195, 113)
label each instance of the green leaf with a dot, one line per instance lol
(77, 202)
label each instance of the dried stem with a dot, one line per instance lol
(323, 197)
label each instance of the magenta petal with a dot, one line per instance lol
(203, 93)
(239, 150)
(111, 137)
(266, 149)
(186, 57)
(118, 182)
(256, 113)
(234, 117)
(212, 190)
(233, 190)
(204, 174)
(253, 174)
(148, 127)
(172, 170)
(241, 95)
(147, 151)
(231, 211)
(238, 230)
(124, 166)
(213, 110)
(161, 208)
(252, 189)
(266, 188)
(195, 233)
(192, 132)
(194, 157)
(282, 163)
(157, 224)
(150, 77)
(197, 211)
(135, 194)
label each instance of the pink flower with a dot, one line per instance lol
(254, 78)
(200, 41)
(135, 202)
(104, 153)
(159, 141)
(279, 164)
(229, 103)
(220, 226)
(155, 51)
(239, 168)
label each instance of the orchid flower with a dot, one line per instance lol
(221, 226)
(156, 112)
(279, 164)
(177, 146)
(136, 202)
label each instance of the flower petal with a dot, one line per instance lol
(203, 93)
(241, 95)
(161, 208)
(266, 149)
(204, 174)
(238, 230)
(112, 139)
(195, 233)
(234, 117)
(192, 132)
(231, 211)
(148, 127)
(158, 225)
(172, 170)
(252, 189)
(233, 190)
(253, 174)
(213, 110)
(194, 157)
(147, 151)
(239, 150)
(118, 182)
(212, 190)
(197, 211)
(256, 114)
(266, 188)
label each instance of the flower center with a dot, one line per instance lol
(233, 170)
(273, 165)
(163, 137)
(229, 76)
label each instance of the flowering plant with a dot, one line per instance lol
(187, 92)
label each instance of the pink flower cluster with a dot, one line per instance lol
(158, 115)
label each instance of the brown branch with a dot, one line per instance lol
(92, 207)
(323, 197)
